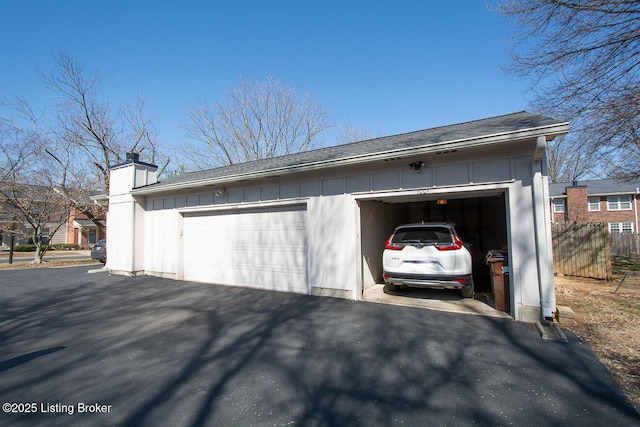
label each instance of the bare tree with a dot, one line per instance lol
(66, 171)
(86, 122)
(347, 134)
(30, 200)
(83, 136)
(142, 135)
(568, 162)
(584, 58)
(64, 156)
(258, 119)
(13, 158)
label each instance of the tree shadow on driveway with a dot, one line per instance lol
(19, 360)
(162, 352)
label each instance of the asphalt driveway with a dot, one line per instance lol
(94, 349)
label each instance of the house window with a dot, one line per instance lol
(558, 205)
(621, 227)
(92, 236)
(594, 204)
(619, 203)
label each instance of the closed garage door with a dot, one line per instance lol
(261, 248)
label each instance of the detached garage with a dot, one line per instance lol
(316, 222)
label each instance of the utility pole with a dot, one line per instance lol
(12, 241)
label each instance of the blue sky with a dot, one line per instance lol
(383, 66)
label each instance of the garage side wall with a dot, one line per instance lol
(523, 270)
(120, 238)
(332, 246)
(126, 218)
(377, 222)
(161, 236)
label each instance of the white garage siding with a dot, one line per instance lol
(325, 245)
(260, 248)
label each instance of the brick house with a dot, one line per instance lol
(82, 231)
(611, 201)
(78, 229)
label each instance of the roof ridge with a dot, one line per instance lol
(319, 149)
(455, 133)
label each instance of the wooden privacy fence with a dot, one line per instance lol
(582, 250)
(625, 245)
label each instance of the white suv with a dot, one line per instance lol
(427, 255)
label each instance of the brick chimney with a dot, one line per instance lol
(132, 157)
(577, 203)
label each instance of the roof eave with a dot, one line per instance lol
(615, 193)
(549, 131)
(99, 197)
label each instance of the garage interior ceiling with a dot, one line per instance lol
(407, 198)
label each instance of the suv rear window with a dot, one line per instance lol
(428, 235)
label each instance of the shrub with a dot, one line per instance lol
(63, 247)
(24, 248)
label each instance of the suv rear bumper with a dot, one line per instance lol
(427, 281)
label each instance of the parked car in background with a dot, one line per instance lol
(99, 251)
(427, 255)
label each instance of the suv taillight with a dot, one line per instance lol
(457, 244)
(392, 246)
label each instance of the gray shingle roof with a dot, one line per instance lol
(424, 138)
(598, 187)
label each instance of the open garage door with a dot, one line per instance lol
(258, 248)
(480, 219)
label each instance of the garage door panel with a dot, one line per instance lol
(258, 248)
(253, 276)
(244, 260)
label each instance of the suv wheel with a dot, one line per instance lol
(468, 292)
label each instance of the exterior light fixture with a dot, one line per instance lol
(416, 166)
(220, 192)
(441, 201)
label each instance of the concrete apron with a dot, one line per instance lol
(443, 300)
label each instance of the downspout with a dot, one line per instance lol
(133, 234)
(133, 158)
(542, 231)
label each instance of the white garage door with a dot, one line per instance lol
(265, 248)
